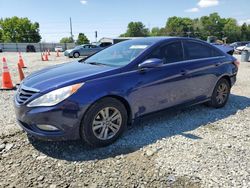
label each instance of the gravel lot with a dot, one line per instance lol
(192, 147)
(33, 63)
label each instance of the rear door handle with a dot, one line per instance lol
(184, 72)
(218, 64)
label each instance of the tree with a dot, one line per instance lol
(136, 29)
(19, 30)
(177, 26)
(244, 32)
(199, 31)
(231, 30)
(211, 25)
(67, 40)
(155, 31)
(82, 39)
(1, 35)
(248, 31)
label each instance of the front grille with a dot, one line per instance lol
(24, 93)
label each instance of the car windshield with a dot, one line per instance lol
(120, 54)
(78, 47)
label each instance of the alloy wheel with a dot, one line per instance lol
(222, 93)
(107, 123)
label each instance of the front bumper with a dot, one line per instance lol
(68, 54)
(65, 116)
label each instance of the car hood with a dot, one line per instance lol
(63, 75)
(68, 51)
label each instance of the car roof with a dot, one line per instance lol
(162, 39)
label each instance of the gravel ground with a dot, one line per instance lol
(192, 147)
(33, 63)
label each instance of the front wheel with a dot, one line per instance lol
(220, 94)
(104, 122)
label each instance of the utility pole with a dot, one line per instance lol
(96, 36)
(71, 32)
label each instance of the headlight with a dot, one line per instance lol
(54, 97)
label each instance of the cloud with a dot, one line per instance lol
(203, 4)
(241, 22)
(195, 9)
(84, 2)
(208, 3)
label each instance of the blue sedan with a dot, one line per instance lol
(96, 98)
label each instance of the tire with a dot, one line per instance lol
(76, 55)
(96, 131)
(220, 94)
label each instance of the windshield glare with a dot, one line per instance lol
(120, 54)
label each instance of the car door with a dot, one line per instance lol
(94, 49)
(203, 62)
(85, 50)
(164, 86)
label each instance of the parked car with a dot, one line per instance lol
(59, 49)
(96, 98)
(238, 44)
(30, 48)
(247, 47)
(239, 49)
(105, 44)
(85, 50)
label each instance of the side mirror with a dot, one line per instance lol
(151, 63)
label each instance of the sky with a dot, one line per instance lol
(111, 17)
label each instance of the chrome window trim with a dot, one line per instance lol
(193, 60)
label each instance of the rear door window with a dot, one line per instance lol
(196, 50)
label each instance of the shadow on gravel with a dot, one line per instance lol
(145, 131)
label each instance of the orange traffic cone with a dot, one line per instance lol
(6, 78)
(20, 71)
(20, 61)
(42, 57)
(57, 53)
(46, 57)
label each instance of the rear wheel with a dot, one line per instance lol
(104, 122)
(76, 55)
(220, 94)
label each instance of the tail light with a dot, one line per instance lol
(236, 63)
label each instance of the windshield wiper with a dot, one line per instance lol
(94, 63)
